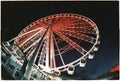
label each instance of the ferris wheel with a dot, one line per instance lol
(64, 40)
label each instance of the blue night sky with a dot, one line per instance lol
(17, 15)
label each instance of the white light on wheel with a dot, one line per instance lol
(91, 56)
(95, 49)
(98, 42)
(82, 62)
(70, 70)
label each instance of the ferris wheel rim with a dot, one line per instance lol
(97, 37)
(33, 23)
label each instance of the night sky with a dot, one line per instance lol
(17, 15)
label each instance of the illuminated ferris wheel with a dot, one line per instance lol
(59, 42)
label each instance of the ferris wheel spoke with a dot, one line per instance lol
(33, 41)
(79, 36)
(59, 51)
(52, 53)
(42, 30)
(58, 40)
(71, 43)
(32, 44)
(66, 48)
(82, 30)
(31, 53)
(39, 28)
(47, 47)
(25, 33)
